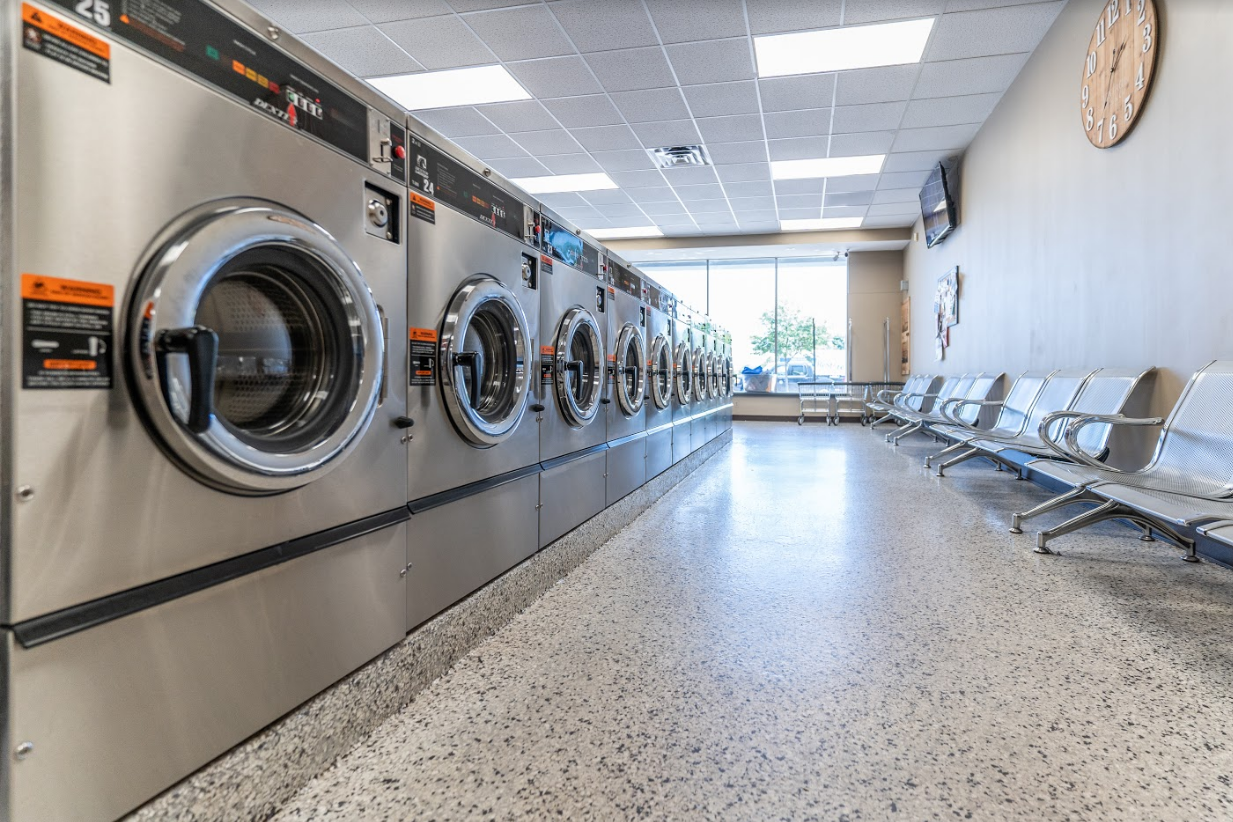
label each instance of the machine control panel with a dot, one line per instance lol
(215, 49)
(387, 146)
(624, 279)
(438, 176)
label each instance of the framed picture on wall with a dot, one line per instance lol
(946, 301)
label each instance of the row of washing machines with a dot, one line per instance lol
(284, 376)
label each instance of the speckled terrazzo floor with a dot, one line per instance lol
(812, 628)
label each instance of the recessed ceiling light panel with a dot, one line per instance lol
(560, 183)
(453, 87)
(826, 167)
(824, 224)
(624, 233)
(847, 47)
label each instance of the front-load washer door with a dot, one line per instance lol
(630, 365)
(726, 384)
(579, 371)
(485, 348)
(660, 375)
(684, 374)
(699, 361)
(254, 347)
(712, 365)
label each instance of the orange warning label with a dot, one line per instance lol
(547, 350)
(70, 365)
(612, 358)
(57, 290)
(69, 33)
(422, 201)
(612, 291)
(423, 334)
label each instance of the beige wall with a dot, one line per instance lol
(873, 295)
(1074, 256)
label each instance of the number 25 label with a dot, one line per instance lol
(97, 10)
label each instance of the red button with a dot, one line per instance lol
(400, 152)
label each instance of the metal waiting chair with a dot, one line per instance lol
(906, 416)
(914, 396)
(1013, 417)
(1188, 480)
(980, 387)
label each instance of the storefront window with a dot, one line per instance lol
(812, 322)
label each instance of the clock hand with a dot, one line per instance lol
(1116, 56)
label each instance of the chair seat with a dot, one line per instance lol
(1178, 509)
(1223, 534)
(1073, 475)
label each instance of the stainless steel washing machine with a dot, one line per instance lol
(574, 305)
(660, 379)
(727, 381)
(473, 310)
(683, 383)
(203, 233)
(701, 383)
(627, 382)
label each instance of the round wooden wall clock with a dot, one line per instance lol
(1118, 70)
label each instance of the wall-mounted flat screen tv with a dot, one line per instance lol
(937, 207)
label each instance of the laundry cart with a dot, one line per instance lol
(831, 399)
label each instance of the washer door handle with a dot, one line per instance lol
(200, 344)
(469, 360)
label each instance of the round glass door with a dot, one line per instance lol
(699, 361)
(728, 377)
(660, 368)
(684, 375)
(630, 382)
(484, 347)
(579, 373)
(254, 347)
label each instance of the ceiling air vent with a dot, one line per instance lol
(679, 156)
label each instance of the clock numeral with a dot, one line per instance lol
(1114, 12)
(1086, 95)
(1112, 126)
(1147, 38)
(1100, 131)
(1128, 7)
(1142, 12)
(1130, 109)
(1091, 120)
(1139, 82)
(1100, 33)
(1091, 64)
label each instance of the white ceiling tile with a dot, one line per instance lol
(581, 112)
(606, 197)
(492, 147)
(758, 226)
(665, 220)
(1007, 30)
(639, 179)
(799, 187)
(387, 11)
(717, 226)
(887, 84)
(523, 115)
(550, 141)
(854, 182)
(565, 200)
(581, 215)
(733, 129)
(519, 167)
(744, 173)
(798, 148)
(708, 207)
(439, 42)
(861, 145)
(652, 194)
(869, 117)
(749, 204)
(705, 191)
(856, 12)
(631, 69)
(555, 77)
(800, 213)
(623, 160)
(712, 61)
(950, 111)
(903, 179)
(791, 201)
(667, 133)
(457, 122)
(690, 176)
(363, 51)
(728, 153)
(480, 5)
(302, 16)
(935, 139)
(521, 33)
(682, 231)
(814, 122)
(902, 221)
(663, 209)
(892, 209)
(748, 188)
(897, 195)
(791, 93)
(716, 99)
(651, 105)
(844, 211)
(848, 198)
(679, 21)
(978, 75)
(914, 160)
(570, 163)
(606, 138)
(771, 16)
(976, 5)
(620, 210)
(612, 24)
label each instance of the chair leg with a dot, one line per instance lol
(964, 457)
(1072, 496)
(903, 427)
(881, 420)
(1111, 510)
(905, 431)
(948, 450)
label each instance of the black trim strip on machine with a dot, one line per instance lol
(617, 443)
(557, 462)
(39, 630)
(427, 503)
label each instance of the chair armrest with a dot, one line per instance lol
(889, 396)
(955, 403)
(1070, 449)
